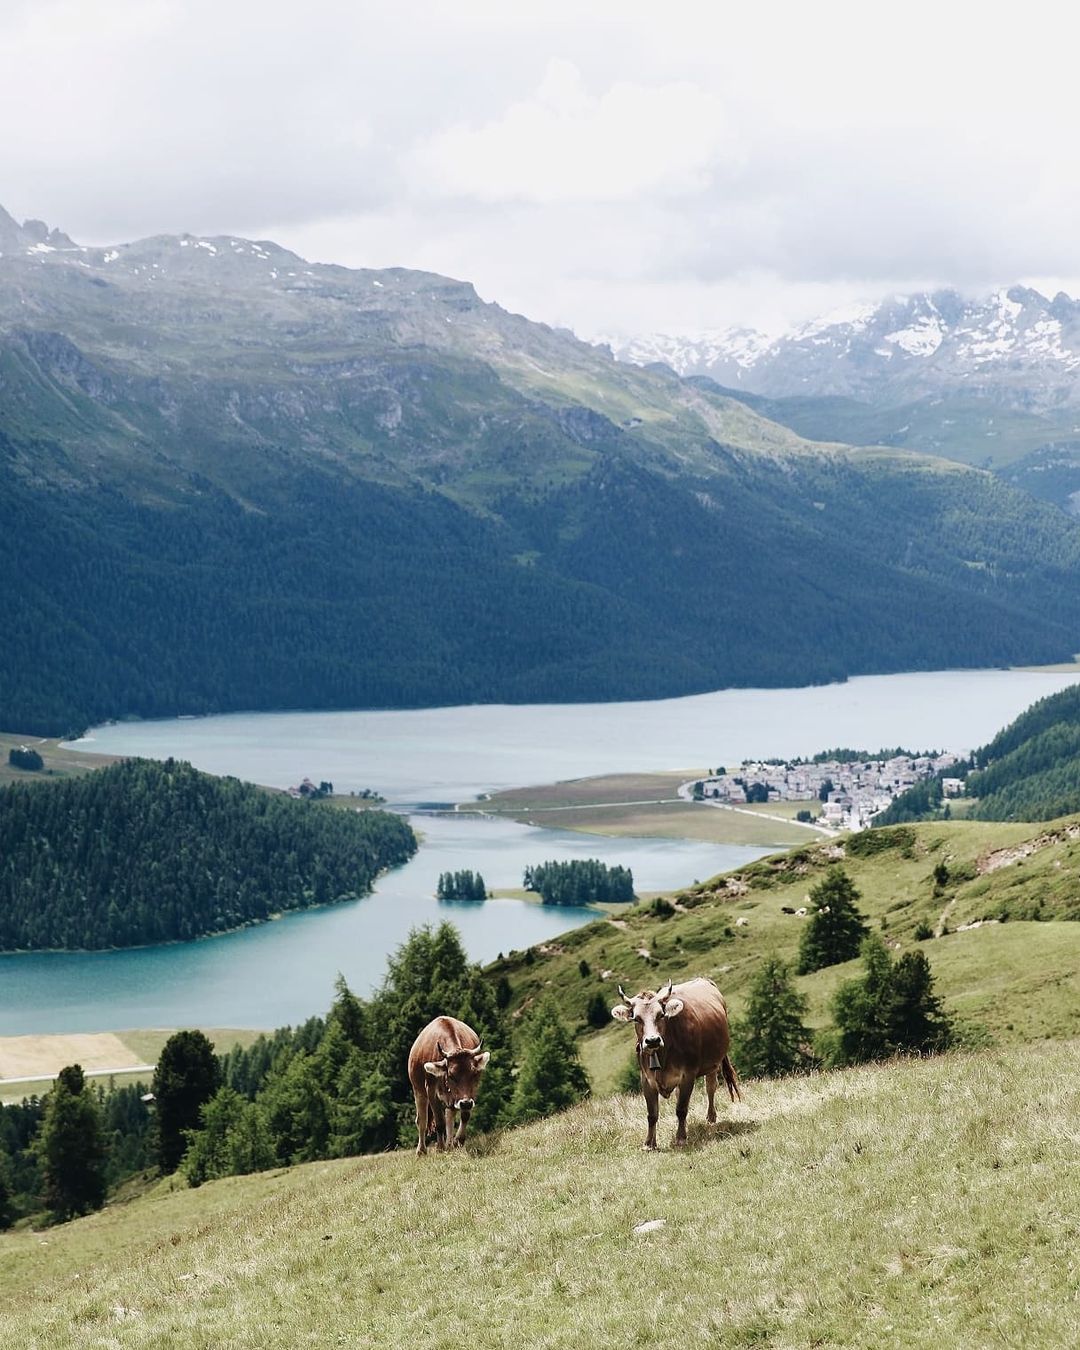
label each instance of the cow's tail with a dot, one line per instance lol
(728, 1070)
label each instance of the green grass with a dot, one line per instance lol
(58, 762)
(1015, 981)
(640, 804)
(915, 1204)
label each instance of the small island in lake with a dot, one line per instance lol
(463, 885)
(584, 881)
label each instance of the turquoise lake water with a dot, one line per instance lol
(284, 971)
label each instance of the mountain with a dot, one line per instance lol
(993, 382)
(1015, 347)
(233, 479)
(1029, 771)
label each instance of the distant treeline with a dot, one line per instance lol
(1029, 771)
(843, 755)
(142, 852)
(585, 881)
(463, 885)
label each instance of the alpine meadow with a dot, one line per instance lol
(539, 676)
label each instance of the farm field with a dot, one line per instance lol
(58, 761)
(638, 804)
(36, 1060)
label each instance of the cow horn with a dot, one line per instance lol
(478, 1044)
(665, 996)
(622, 994)
(442, 1052)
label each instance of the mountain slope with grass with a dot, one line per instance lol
(758, 1234)
(992, 906)
(236, 480)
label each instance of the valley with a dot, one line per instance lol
(248, 482)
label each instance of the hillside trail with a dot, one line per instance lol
(939, 927)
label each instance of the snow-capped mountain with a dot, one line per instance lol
(1015, 347)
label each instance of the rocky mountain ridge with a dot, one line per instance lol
(1016, 347)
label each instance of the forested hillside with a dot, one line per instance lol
(142, 852)
(1029, 771)
(237, 481)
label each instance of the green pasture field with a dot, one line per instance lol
(919, 1203)
(640, 804)
(21, 1056)
(58, 761)
(1011, 981)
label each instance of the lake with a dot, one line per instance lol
(284, 971)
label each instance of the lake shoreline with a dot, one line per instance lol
(274, 973)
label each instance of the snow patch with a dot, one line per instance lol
(921, 338)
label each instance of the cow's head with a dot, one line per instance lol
(457, 1075)
(649, 1012)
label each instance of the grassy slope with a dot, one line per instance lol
(769, 1238)
(1018, 980)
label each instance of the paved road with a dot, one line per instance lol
(686, 792)
(87, 1073)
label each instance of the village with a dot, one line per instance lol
(839, 794)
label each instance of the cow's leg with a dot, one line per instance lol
(438, 1121)
(711, 1079)
(421, 1121)
(652, 1109)
(682, 1105)
(448, 1128)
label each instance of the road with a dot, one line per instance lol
(686, 792)
(87, 1073)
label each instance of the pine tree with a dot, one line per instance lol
(6, 1210)
(551, 1076)
(187, 1075)
(362, 1116)
(916, 1020)
(233, 1140)
(771, 1036)
(891, 1009)
(72, 1147)
(835, 930)
(860, 1008)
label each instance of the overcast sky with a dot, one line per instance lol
(614, 167)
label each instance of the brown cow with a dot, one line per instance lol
(682, 1033)
(445, 1064)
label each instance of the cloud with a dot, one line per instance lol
(565, 144)
(616, 164)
